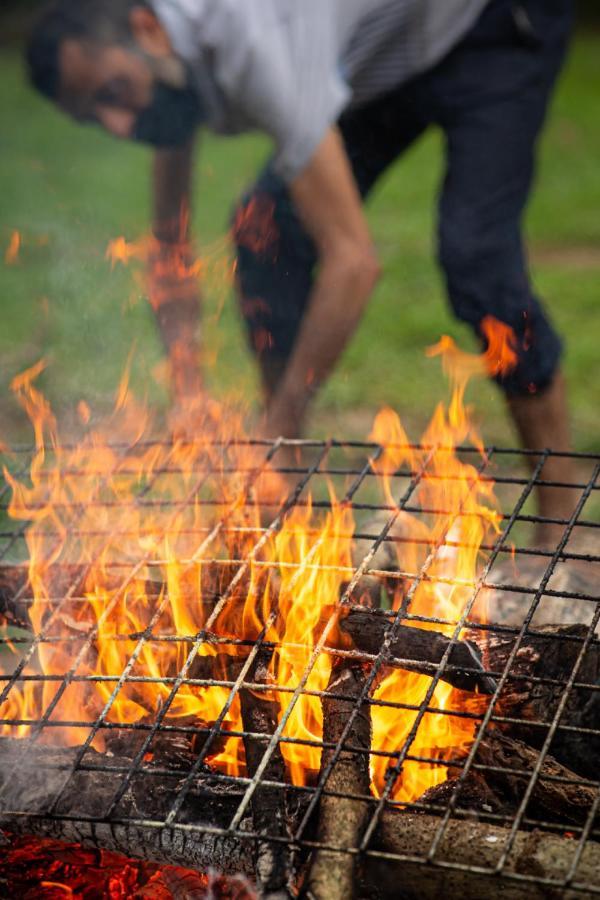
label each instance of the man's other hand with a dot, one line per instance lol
(173, 272)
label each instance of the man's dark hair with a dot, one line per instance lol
(100, 21)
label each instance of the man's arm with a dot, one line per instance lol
(327, 200)
(173, 287)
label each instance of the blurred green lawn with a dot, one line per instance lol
(70, 190)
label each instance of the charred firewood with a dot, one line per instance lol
(474, 796)
(32, 776)
(498, 778)
(533, 690)
(204, 580)
(14, 611)
(273, 860)
(419, 650)
(176, 744)
(412, 648)
(342, 819)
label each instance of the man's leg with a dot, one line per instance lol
(275, 256)
(492, 94)
(542, 421)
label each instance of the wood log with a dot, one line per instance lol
(13, 610)
(273, 860)
(342, 820)
(205, 580)
(499, 777)
(471, 844)
(32, 775)
(550, 654)
(419, 650)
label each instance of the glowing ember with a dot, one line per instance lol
(44, 869)
(142, 517)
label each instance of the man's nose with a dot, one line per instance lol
(119, 122)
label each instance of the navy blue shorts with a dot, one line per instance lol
(489, 96)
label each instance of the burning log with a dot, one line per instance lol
(500, 775)
(273, 862)
(206, 580)
(342, 819)
(14, 612)
(419, 651)
(32, 775)
(414, 649)
(538, 675)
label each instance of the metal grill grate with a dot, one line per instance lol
(350, 467)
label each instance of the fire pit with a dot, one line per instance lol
(350, 674)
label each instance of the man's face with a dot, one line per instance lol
(108, 85)
(139, 90)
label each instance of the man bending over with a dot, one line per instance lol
(343, 88)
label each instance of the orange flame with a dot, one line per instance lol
(172, 272)
(499, 358)
(162, 529)
(11, 256)
(255, 226)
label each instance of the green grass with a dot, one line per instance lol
(70, 190)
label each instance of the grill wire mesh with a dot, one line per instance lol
(349, 465)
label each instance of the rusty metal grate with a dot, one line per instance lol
(349, 464)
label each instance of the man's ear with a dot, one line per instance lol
(148, 33)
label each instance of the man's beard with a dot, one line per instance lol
(172, 116)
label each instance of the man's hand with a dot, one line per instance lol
(329, 205)
(174, 297)
(172, 273)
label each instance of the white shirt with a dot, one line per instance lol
(290, 67)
